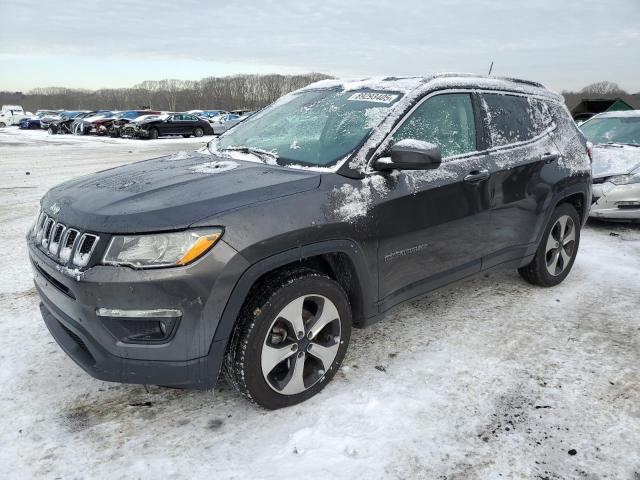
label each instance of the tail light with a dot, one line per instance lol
(590, 151)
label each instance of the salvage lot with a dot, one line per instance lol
(488, 377)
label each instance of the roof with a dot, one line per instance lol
(440, 80)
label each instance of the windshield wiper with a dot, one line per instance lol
(264, 155)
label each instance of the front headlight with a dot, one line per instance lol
(625, 179)
(160, 249)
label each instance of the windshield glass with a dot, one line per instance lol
(313, 128)
(613, 130)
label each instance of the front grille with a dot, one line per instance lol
(66, 245)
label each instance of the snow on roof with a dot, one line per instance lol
(618, 114)
(439, 80)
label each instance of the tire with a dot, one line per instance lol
(154, 134)
(50, 131)
(2, 124)
(198, 132)
(262, 331)
(557, 250)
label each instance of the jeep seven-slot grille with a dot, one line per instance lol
(64, 244)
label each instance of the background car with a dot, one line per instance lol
(113, 126)
(184, 124)
(616, 164)
(67, 122)
(207, 114)
(224, 122)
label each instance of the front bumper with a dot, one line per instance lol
(189, 358)
(616, 202)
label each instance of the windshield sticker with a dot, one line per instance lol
(373, 97)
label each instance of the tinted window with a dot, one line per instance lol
(445, 120)
(511, 118)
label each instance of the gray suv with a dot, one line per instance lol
(256, 255)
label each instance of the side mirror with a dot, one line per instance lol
(410, 154)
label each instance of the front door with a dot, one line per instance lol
(433, 224)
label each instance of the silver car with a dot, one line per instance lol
(224, 122)
(616, 164)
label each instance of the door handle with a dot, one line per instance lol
(550, 157)
(476, 176)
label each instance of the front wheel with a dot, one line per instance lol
(290, 339)
(2, 124)
(557, 250)
(154, 134)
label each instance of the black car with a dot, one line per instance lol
(115, 127)
(317, 214)
(66, 122)
(184, 124)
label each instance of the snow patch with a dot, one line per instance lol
(354, 202)
(218, 166)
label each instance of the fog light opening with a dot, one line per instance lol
(141, 326)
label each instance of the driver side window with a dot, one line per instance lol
(445, 120)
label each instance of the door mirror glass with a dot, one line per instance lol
(410, 154)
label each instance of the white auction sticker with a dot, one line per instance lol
(373, 97)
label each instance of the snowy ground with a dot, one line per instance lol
(489, 378)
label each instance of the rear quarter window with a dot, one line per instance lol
(514, 118)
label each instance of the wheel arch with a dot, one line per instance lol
(578, 200)
(341, 260)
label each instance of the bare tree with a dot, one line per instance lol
(603, 88)
(234, 92)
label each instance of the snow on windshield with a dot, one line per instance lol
(315, 127)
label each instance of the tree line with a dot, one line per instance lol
(601, 90)
(226, 93)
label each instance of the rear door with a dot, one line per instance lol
(433, 224)
(523, 158)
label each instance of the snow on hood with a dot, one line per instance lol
(170, 192)
(614, 159)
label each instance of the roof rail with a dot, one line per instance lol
(472, 75)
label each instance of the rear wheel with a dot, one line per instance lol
(290, 339)
(198, 132)
(557, 250)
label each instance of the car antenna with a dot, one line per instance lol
(490, 68)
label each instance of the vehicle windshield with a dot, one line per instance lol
(624, 130)
(313, 128)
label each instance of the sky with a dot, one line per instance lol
(565, 44)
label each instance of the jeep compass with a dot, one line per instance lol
(255, 256)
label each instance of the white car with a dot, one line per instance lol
(12, 115)
(616, 164)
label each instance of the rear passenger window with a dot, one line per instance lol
(509, 118)
(445, 120)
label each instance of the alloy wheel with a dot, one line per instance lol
(561, 245)
(301, 344)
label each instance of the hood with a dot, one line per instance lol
(614, 159)
(170, 193)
